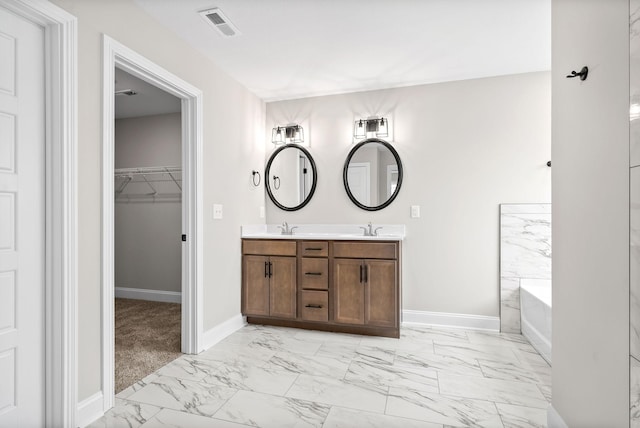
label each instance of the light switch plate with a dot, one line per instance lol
(261, 212)
(217, 211)
(415, 211)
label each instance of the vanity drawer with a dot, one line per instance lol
(315, 306)
(268, 248)
(365, 250)
(314, 248)
(314, 273)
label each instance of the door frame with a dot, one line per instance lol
(117, 55)
(60, 45)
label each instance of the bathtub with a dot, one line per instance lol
(535, 314)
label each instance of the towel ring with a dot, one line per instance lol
(276, 182)
(253, 177)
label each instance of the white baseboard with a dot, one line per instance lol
(90, 409)
(222, 330)
(443, 319)
(554, 420)
(536, 339)
(153, 295)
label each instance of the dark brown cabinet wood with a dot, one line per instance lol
(282, 298)
(314, 305)
(314, 273)
(343, 286)
(255, 285)
(365, 292)
(269, 282)
(381, 293)
(348, 291)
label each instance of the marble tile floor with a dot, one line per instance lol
(281, 377)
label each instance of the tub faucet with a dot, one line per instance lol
(286, 230)
(369, 231)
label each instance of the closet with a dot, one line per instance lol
(147, 242)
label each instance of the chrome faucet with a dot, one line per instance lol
(286, 230)
(369, 231)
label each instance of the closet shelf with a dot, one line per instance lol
(148, 182)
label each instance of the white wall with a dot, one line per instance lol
(590, 220)
(148, 249)
(634, 221)
(466, 147)
(233, 147)
(148, 141)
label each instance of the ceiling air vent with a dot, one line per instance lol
(221, 23)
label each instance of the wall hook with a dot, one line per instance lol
(549, 164)
(253, 177)
(583, 73)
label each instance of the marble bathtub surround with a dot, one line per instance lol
(525, 252)
(430, 377)
(634, 405)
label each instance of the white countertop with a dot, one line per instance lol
(333, 232)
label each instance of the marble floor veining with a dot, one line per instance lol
(282, 377)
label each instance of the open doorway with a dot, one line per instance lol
(118, 57)
(147, 225)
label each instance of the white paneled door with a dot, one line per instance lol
(22, 222)
(358, 177)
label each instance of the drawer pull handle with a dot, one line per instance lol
(313, 249)
(313, 306)
(313, 273)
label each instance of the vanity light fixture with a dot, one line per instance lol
(287, 134)
(372, 127)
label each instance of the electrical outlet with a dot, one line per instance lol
(415, 211)
(262, 212)
(217, 211)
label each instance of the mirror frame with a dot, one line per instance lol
(346, 166)
(267, 171)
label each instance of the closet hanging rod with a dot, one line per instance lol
(127, 172)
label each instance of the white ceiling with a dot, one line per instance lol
(298, 48)
(148, 100)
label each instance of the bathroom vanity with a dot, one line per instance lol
(334, 281)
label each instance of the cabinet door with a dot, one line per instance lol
(348, 291)
(255, 285)
(283, 287)
(381, 300)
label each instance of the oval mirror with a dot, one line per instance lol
(372, 174)
(290, 177)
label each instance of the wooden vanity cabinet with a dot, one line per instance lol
(269, 278)
(366, 284)
(342, 286)
(313, 280)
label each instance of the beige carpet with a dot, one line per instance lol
(147, 338)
